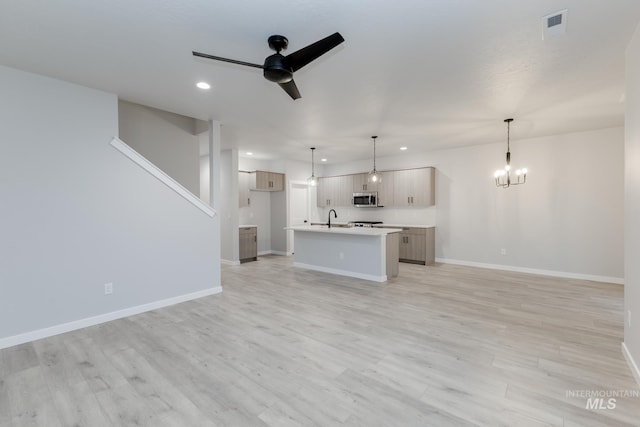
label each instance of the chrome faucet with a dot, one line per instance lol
(335, 216)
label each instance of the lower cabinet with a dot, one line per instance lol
(248, 244)
(417, 245)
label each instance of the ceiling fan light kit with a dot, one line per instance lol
(278, 68)
(503, 176)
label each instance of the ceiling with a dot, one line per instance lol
(426, 74)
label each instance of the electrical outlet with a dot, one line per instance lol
(503, 251)
(108, 288)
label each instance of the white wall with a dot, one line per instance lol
(568, 218)
(229, 211)
(168, 140)
(632, 203)
(205, 185)
(77, 214)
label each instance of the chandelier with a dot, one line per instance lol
(503, 176)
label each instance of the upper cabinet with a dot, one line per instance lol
(257, 181)
(245, 180)
(385, 189)
(414, 187)
(268, 181)
(361, 183)
(334, 191)
(402, 188)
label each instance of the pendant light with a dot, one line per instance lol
(312, 181)
(503, 176)
(374, 175)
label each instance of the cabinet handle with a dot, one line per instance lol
(411, 199)
(248, 201)
(255, 238)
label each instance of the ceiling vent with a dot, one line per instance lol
(555, 24)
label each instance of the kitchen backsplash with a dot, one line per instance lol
(408, 216)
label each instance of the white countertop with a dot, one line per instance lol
(404, 225)
(358, 231)
(245, 226)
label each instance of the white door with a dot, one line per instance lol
(298, 208)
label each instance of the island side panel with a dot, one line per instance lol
(392, 254)
(347, 254)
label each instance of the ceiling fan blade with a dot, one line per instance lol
(302, 57)
(291, 88)
(233, 61)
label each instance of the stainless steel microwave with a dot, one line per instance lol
(365, 200)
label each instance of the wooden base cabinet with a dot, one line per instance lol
(248, 244)
(417, 245)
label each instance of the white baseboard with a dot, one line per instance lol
(342, 272)
(102, 318)
(632, 363)
(271, 252)
(229, 262)
(563, 274)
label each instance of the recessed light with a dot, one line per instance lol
(203, 85)
(323, 160)
(403, 148)
(249, 153)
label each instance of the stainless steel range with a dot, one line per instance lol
(364, 223)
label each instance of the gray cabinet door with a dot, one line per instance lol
(329, 192)
(248, 244)
(385, 189)
(269, 181)
(417, 245)
(402, 188)
(262, 181)
(413, 245)
(244, 183)
(423, 187)
(414, 187)
(361, 183)
(345, 191)
(277, 181)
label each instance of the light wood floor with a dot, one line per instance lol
(438, 346)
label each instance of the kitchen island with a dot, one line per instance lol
(365, 253)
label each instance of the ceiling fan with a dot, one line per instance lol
(279, 68)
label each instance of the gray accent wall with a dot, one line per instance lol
(77, 214)
(632, 201)
(168, 140)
